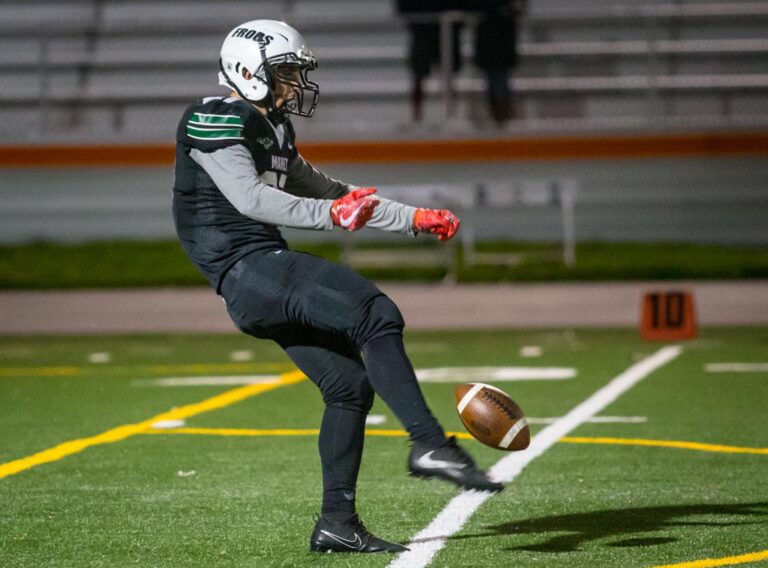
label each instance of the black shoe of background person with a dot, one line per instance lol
(351, 536)
(451, 463)
(502, 113)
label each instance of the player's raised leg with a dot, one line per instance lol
(336, 298)
(432, 454)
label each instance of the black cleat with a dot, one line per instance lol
(451, 463)
(351, 536)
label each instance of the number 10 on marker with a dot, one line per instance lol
(668, 316)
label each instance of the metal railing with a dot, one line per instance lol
(476, 204)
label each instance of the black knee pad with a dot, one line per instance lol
(382, 317)
(357, 397)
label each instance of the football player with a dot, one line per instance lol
(238, 178)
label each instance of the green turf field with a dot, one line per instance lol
(222, 491)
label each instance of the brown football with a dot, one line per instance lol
(492, 417)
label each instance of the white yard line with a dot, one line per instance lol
(241, 356)
(531, 351)
(375, 419)
(439, 375)
(169, 424)
(225, 380)
(594, 420)
(427, 543)
(99, 357)
(736, 367)
(479, 374)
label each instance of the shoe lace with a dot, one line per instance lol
(359, 526)
(458, 453)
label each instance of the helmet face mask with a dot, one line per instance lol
(304, 93)
(259, 54)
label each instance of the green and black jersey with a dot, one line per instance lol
(238, 177)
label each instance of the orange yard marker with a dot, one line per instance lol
(668, 316)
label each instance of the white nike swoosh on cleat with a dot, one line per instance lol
(354, 544)
(427, 462)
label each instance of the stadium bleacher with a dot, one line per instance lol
(98, 70)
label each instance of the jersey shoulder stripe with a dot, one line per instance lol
(214, 134)
(214, 123)
(207, 126)
(230, 120)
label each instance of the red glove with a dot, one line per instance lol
(355, 209)
(440, 222)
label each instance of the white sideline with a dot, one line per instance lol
(452, 518)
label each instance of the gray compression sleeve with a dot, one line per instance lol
(308, 181)
(233, 171)
(393, 216)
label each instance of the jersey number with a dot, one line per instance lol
(275, 179)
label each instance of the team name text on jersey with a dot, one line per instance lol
(280, 163)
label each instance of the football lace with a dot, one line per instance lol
(495, 399)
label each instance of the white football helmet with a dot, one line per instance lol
(253, 56)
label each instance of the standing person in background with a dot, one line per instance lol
(496, 52)
(424, 44)
(238, 178)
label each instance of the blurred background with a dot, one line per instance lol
(582, 139)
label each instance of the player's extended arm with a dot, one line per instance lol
(394, 216)
(233, 171)
(306, 180)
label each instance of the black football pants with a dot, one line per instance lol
(346, 336)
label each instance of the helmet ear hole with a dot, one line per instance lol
(246, 74)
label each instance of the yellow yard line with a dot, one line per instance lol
(726, 561)
(218, 368)
(155, 369)
(279, 432)
(394, 433)
(122, 432)
(462, 435)
(40, 371)
(667, 444)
